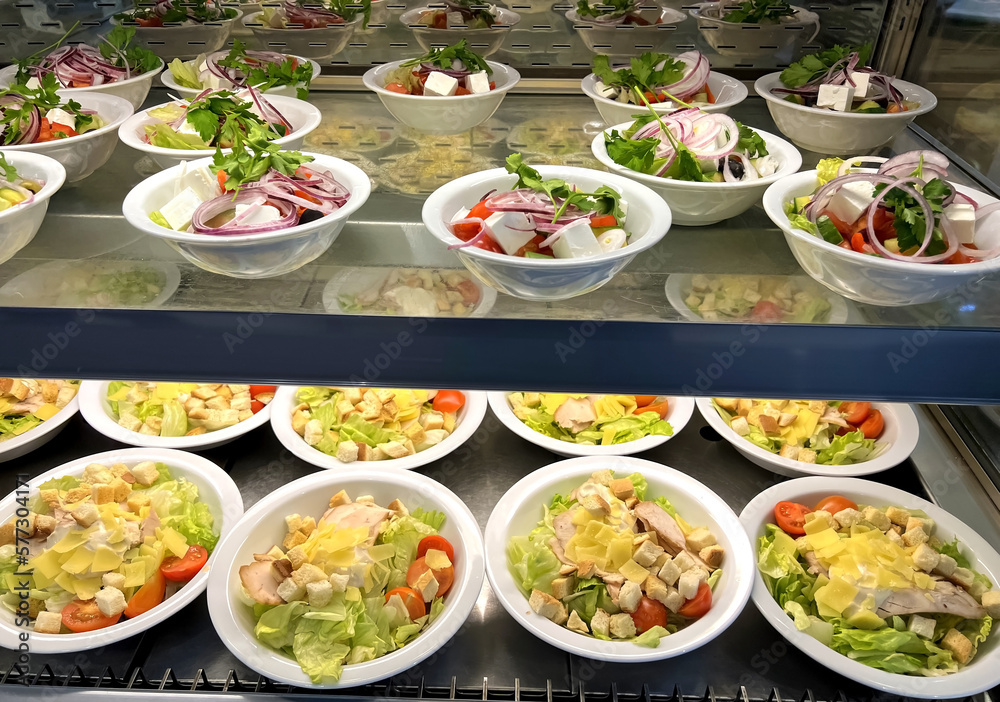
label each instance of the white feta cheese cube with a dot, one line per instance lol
(861, 83)
(188, 128)
(33, 83)
(478, 82)
(612, 240)
(259, 214)
(457, 65)
(962, 218)
(455, 19)
(440, 84)
(201, 180)
(511, 230)
(836, 97)
(60, 116)
(604, 91)
(851, 200)
(178, 212)
(577, 241)
(988, 232)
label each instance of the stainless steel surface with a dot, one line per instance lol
(973, 432)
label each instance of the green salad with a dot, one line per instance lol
(596, 420)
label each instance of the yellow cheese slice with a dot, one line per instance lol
(633, 571)
(437, 560)
(46, 564)
(66, 581)
(87, 588)
(105, 559)
(135, 573)
(174, 542)
(79, 562)
(46, 411)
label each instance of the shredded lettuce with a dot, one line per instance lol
(177, 505)
(651, 637)
(186, 72)
(165, 136)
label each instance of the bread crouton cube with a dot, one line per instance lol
(946, 565)
(296, 556)
(622, 626)
(293, 522)
(293, 539)
(767, 423)
(314, 432)
(575, 623)
(145, 473)
(137, 500)
(319, 593)
(727, 403)
(82, 492)
(962, 576)
(991, 601)
(790, 452)
(897, 515)
(204, 392)
(48, 623)
(49, 497)
(308, 525)
(595, 504)
(586, 569)
(623, 488)
(290, 591)
(548, 606)
(688, 583)
(341, 498)
(647, 553)
(700, 538)
(111, 601)
(787, 419)
(655, 588)
(877, 518)
(338, 581)
(85, 515)
(129, 421)
(398, 507)
(115, 580)
(600, 623)
(921, 626)
(740, 426)
(913, 522)
(347, 451)
(674, 600)
(712, 555)
(895, 538)
(806, 456)
(683, 561)
(394, 449)
(308, 573)
(629, 596)
(218, 402)
(102, 493)
(825, 516)
(44, 525)
(563, 587)
(846, 518)
(366, 452)
(959, 645)
(915, 537)
(432, 420)
(122, 489)
(97, 473)
(669, 572)
(925, 558)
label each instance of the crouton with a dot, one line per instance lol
(575, 623)
(290, 591)
(688, 583)
(740, 426)
(85, 515)
(962, 576)
(712, 555)
(790, 452)
(767, 423)
(991, 601)
(921, 626)
(217, 402)
(44, 525)
(600, 623)
(825, 516)
(122, 489)
(308, 573)
(683, 561)
(48, 623)
(806, 456)
(655, 588)
(915, 537)
(595, 504)
(925, 558)
(49, 497)
(674, 600)
(563, 587)
(647, 553)
(895, 538)
(586, 569)
(78, 494)
(946, 565)
(340, 498)
(293, 539)
(137, 501)
(669, 572)
(102, 493)
(846, 518)
(897, 515)
(787, 419)
(629, 596)
(313, 433)
(959, 645)
(700, 538)
(622, 488)
(308, 525)
(877, 517)
(129, 421)
(394, 449)
(727, 403)
(111, 601)
(319, 593)
(145, 473)
(338, 581)
(198, 431)
(546, 605)
(293, 522)
(622, 626)
(398, 507)
(602, 477)
(97, 473)
(366, 452)
(353, 395)
(926, 524)
(296, 555)
(203, 392)
(818, 406)
(743, 406)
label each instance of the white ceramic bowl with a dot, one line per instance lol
(901, 433)
(134, 89)
(184, 41)
(520, 509)
(442, 115)
(623, 40)
(353, 281)
(303, 116)
(699, 204)
(264, 525)
(96, 411)
(981, 674)
(840, 133)
(215, 488)
(869, 279)
(41, 286)
(548, 279)
(189, 93)
(679, 410)
(484, 42)
(727, 90)
(468, 420)
(19, 224)
(40, 435)
(248, 255)
(749, 40)
(319, 43)
(84, 154)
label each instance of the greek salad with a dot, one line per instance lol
(838, 79)
(255, 189)
(112, 542)
(594, 420)
(757, 298)
(368, 424)
(360, 582)
(15, 190)
(299, 14)
(176, 12)
(240, 68)
(760, 12)
(26, 403)
(460, 14)
(33, 115)
(83, 66)
(907, 210)
(453, 70)
(543, 218)
(830, 433)
(619, 12)
(184, 409)
(692, 145)
(416, 292)
(682, 81)
(878, 585)
(610, 561)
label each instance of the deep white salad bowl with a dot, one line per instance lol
(264, 526)
(647, 221)
(840, 133)
(753, 40)
(728, 92)
(484, 41)
(901, 433)
(185, 40)
(82, 155)
(982, 673)
(522, 507)
(248, 255)
(317, 43)
(215, 488)
(439, 114)
(679, 411)
(134, 89)
(620, 40)
(20, 223)
(303, 116)
(870, 279)
(40, 435)
(283, 90)
(699, 204)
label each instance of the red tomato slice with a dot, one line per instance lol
(766, 311)
(256, 406)
(845, 228)
(256, 390)
(414, 603)
(873, 425)
(661, 408)
(448, 401)
(855, 412)
(603, 221)
(791, 517)
(84, 615)
(445, 576)
(480, 210)
(397, 88)
(835, 503)
(147, 596)
(183, 569)
(649, 614)
(438, 543)
(698, 606)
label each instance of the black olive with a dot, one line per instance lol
(735, 167)
(310, 216)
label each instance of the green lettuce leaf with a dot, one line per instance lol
(357, 429)
(847, 449)
(651, 637)
(177, 505)
(163, 135)
(186, 72)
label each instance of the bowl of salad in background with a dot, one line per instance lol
(265, 526)
(152, 132)
(703, 183)
(823, 438)
(93, 283)
(315, 32)
(403, 429)
(174, 415)
(913, 536)
(27, 181)
(181, 30)
(754, 30)
(32, 412)
(592, 425)
(686, 77)
(408, 292)
(581, 264)
(849, 264)
(713, 543)
(617, 29)
(793, 299)
(116, 67)
(195, 503)
(841, 123)
(484, 27)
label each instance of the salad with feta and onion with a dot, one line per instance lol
(543, 218)
(416, 293)
(907, 210)
(239, 68)
(112, 542)
(15, 190)
(594, 420)
(26, 403)
(453, 70)
(611, 562)
(292, 14)
(757, 298)
(460, 14)
(619, 12)
(878, 585)
(34, 115)
(839, 79)
(176, 12)
(354, 585)
(682, 81)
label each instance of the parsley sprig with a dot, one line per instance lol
(813, 66)
(13, 118)
(252, 156)
(760, 11)
(349, 9)
(222, 119)
(603, 200)
(7, 170)
(117, 48)
(909, 221)
(751, 143)
(266, 75)
(642, 73)
(443, 58)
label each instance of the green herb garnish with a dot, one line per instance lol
(254, 155)
(909, 221)
(197, 10)
(222, 119)
(760, 11)
(443, 58)
(751, 143)
(8, 170)
(118, 48)
(608, 9)
(604, 200)
(265, 75)
(643, 72)
(813, 66)
(13, 118)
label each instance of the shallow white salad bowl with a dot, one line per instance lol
(318, 43)
(188, 93)
(747, 40)
(184, 40)
(622, 40)
(484, 41)
(134, 89)
(40, 435)
(20, 223)
(728, 92)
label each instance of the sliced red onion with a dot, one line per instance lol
(431, 68)
(224, 203)
(694, 78)
(474, 240)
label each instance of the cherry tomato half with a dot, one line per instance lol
(414, 603)
(181, 570)
(873, 425)
(766, 311)
(698, 606)
(649, 614)
(438, 543)
(147, 596)
(834, 504)
(661, 408)
(448, 401)
(791, 517)
(84, 615)
(855, 412)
